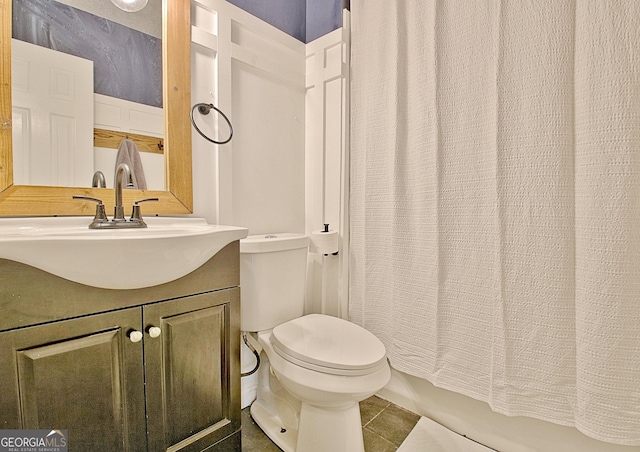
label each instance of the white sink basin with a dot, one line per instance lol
(114, 258)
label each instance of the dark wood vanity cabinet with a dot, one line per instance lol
(187, 366)
(82, 375)
(176, 388)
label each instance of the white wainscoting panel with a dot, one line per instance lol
(255, 74)
(326, 144)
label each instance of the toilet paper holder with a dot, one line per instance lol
(325, 242)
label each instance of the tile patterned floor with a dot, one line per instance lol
(384, 424)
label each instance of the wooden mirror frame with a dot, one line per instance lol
(26, 200)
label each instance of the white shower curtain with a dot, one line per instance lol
(495, 201)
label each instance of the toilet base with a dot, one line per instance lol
(341, 429)
(272, 426)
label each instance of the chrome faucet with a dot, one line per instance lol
(122, 172)
(100, 221)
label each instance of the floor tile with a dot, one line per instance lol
(376, 443)
(371, 407)
(393, 424)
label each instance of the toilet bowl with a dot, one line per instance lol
(315, 369)
(329, 365)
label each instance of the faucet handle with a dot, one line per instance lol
(145, 200)
(136, 213)
(101, 215)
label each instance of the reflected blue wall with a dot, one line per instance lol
(305, 20)
(127, 64)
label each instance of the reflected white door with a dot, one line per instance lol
(52, 117)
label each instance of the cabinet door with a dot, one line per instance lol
(83, 375)
(192, 371)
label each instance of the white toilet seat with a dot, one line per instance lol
(329, 394)
(328, 345)
(323, 388)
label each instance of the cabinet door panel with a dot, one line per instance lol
(83, 375)
(193, 408)
(58, 383)
(193, 373)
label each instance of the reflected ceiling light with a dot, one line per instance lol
(130, 6)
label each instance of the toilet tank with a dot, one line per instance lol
(273, 270)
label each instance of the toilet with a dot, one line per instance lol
(314, 369)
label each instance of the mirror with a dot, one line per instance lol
(21, 200)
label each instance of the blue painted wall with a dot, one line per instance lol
(305, 20)
(323, 16)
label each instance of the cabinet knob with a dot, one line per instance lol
(154, 331)
(135, 336)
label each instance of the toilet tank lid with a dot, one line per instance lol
(267, 243)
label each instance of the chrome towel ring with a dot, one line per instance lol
(204, 109)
